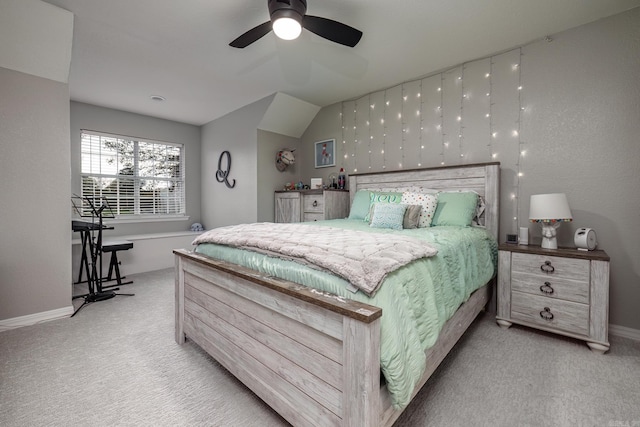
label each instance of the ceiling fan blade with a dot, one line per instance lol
(252, 35)
(332, 30)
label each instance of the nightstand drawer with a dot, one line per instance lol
(551, 313)
(551, 266)
(313, 203)
(548, 285)
(307, 217)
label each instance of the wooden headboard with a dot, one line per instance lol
(483, 178)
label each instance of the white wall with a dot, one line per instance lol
(577, 116)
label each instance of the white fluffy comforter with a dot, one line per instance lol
(364, 259)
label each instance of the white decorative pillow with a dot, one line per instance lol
(429, 202)
(388, 215)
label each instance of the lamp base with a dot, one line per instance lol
(549, 235)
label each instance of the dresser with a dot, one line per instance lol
(564, 291)
(311, 205)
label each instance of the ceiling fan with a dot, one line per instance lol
(288, 17)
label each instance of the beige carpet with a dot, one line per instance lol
(116, 364)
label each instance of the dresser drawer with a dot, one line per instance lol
(551, 286)
(551, 313)
(551, 266)
(313, 203)
(307, 217)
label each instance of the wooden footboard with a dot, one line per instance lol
(310, 355)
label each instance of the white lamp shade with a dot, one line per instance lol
(549, 208)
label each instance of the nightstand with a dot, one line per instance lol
(311, 205)
(564, 291)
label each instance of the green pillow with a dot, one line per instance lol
(378, 197)
(455, 208)
(360, 205)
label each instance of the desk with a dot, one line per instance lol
(85, 228)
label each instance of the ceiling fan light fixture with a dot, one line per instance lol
(287, 24)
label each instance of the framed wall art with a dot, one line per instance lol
(325, 153)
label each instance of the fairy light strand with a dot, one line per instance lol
(343, 148)
(460, 117)
(355, 136)
(384, 131)
(403, 125)
(420, 141)
(441, 108)
(492, 154)
(519, 136)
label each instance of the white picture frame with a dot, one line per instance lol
(325, 153)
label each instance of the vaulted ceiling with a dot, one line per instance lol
(126, 51)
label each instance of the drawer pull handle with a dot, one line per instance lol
(547, 267)
(546, 314)
(315, 203)
(546, 288)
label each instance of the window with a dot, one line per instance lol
(138, 178)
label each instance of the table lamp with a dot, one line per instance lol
(550, 210)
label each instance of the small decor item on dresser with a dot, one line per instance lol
(549, 210)
(585, 239)
(316, 183)
(333, 180)
(342, 179)
(523, 237)
(512, 239)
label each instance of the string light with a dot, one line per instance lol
(403, 124)
(369, 126)
(393, 116)
(384, 131)
(421, 146)
(441, 125)
(517, 134)
(489, 75)
(343, 148)
(355, 137)
(461, 127)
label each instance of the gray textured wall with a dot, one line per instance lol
(576, 118)
(237, 133)
(35, 242)
(269, 178)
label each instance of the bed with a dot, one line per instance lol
(312, 355)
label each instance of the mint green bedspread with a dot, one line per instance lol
(416, 300)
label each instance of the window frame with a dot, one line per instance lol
(139, 215)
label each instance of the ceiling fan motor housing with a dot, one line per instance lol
(294, 9)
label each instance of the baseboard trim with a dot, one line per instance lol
(32, 319)
(624, 332)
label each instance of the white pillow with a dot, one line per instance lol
(429, 202)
